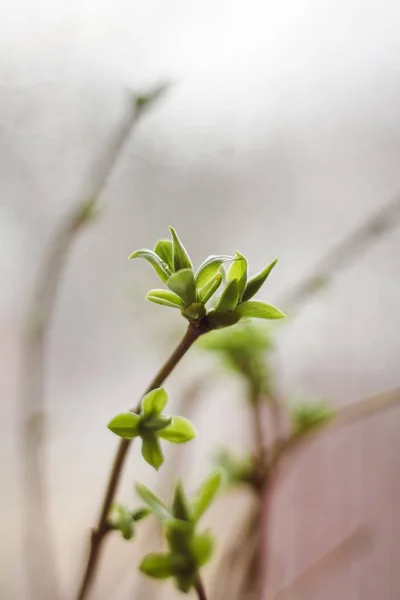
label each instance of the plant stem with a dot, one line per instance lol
(201, 592)
(38, 543)
(98, 534)
(258, 428)
(380, 223)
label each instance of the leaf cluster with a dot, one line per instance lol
(194, 293)
(151, 426)
(188, 550)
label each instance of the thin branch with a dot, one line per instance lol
(383, 221)
(38, 544)
(200, 590)
(98, 534)
(258, 430)
(230, 566)
(348, 415)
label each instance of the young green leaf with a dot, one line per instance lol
(151, 450)
(185, 582)
(258, 310)
(159, 566)
(205, 293)
(164, 250)
(206, 495)
(238, 271)
(140, 513)
(157, 423)
(202, 546)
(179, 534)
(158, 507)
(229, 297)
(182, 284)
(125, 523)
(126, 425)
(180, 506)
(160, 267)
(209, 268)
(146, 100)
(308, 417)
(222, 319)
(180, 431)
(181, 258)
(255, 283)
(166, 298)
(154, 402)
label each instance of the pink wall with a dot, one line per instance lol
(338, 504)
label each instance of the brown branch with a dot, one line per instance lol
(200, 590)
(287, 447)
(38, 543)
(98, 534)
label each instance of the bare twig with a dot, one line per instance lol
(232, 567)
(200, 590)
(281, 454)
(383, 221)
(38, 543)
(353, 413)
(282, 443)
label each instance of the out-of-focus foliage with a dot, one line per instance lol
(188, 550)
(236, 470)
(245, 349)
(123, 519)
(308, 416)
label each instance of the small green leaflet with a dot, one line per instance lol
(258, 310)
(158, 507)
(255, 283)
(166, 298)
(182, 284)
(238, 271)
(126, 425)
(154, 402)
(164, 250)
(209, 268)
(160, 267)
(180, 431)
(151, 450)
(229, 297)
(181, 259)
(206, 494)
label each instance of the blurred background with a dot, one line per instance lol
(279, 136)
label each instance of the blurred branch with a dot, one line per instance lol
(283, 441)
(347, 415)
(236, 563)
(383, 221)
(349, 547)
(241, 566)
(38, 540)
